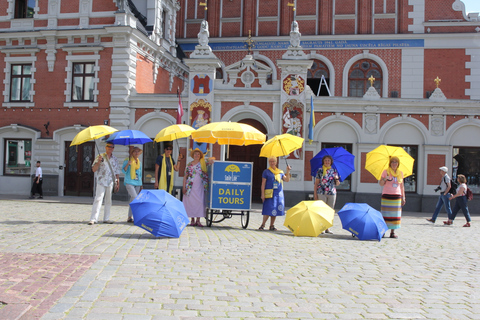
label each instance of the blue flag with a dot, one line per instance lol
(311, 125)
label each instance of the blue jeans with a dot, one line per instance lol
(461, 203)
(442, 200)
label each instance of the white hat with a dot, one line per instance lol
(444, 169)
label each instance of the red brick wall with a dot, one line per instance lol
(102, 5)
(452, 71)
(308, 168)
(144, 75)
(43, 7)
(3, 8)
(345, 26)
(69, 6)
(344, 6)
(422, 118)
(384, 26)
(440, 10)
(102, 21)
(267, 107)
(68, 22)
(435, 161)
(365, 175)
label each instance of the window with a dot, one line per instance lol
(83, 84)
(465, 161)
(18, 156)
(164, 25)
(314, 78)
(24, 8)
(150, 152)
(20, 87)
(358, 75)
(410, 182)
(347, 183)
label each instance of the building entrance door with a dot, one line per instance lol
(251, 154)
(78, 170)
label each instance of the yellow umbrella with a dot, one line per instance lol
(377, 160)
(92, 133)
(281, 145)
(231, 133)
(174, 132)
(309, 218)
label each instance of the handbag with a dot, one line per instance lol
(268, 193)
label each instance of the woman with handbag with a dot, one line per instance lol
(272, 193)
(325, 183)
(132, 168)
(461, 202)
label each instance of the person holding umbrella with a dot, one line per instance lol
(132, 168)
(195, 183)
(393, 195)
(164, 169)
(325, 182)
(108, 170)
(272, 192)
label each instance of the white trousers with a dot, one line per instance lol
(329, 199)
(132, 192)
(102, 191)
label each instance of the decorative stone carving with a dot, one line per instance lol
(437, 95)
(437, 124)
(371, 124)
(371, 94)
(204, 34)
(295, 51)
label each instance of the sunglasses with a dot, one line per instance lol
(168, 148)
(111, 147)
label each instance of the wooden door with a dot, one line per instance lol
(79, 177)
(251, 154)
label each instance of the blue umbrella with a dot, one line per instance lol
(159, 213)
(363, 221)
(343, 161)
(128, 137)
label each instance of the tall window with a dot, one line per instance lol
(82, 84)
(18, 156)
(465, 161)
(347, 183)
(314, 78)
(151, 150)
(24, 8)
(20, 77)
(358, 75)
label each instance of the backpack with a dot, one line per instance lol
(469, 194)
(453, 186)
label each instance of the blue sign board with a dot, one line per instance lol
(230, 185)
(314, 44)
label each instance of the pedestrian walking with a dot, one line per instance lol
(461, 202)
(108, 171)
(443, 199)
(37, 183)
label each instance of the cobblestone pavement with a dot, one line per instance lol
(119, 271)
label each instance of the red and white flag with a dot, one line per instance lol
(179, 109)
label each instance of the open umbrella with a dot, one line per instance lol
(174, 132)
(309, 218)
(281, 145)
(92, 133)
(343, 161)
(377, 160)
(129, 137)
(363, 221)
(159, 213)
(231, 133)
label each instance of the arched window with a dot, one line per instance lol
(358, 75)
(314, 77)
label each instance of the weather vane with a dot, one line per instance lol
(372, 80)
(437, 81)
(249, 43)
(204, 4)
(294, 5)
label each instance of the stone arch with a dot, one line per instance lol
(252, 112)
(268, 61)
(463, 128)
(153, 122)
(365, 55)
(329, 127)
(395, 128)
(331, 69)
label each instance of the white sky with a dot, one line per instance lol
(472, 5)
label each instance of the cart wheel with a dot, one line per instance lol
(245, 217)
(208, 217)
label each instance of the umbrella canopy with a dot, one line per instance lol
(174, 132)
(343, 161)
(128, 137)
(363, 221)
(281, 145)
(92, 133)
(159, 213)
(231, 133)
(377, 160)
(309, 218)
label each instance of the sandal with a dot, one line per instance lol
(262, 227)
(130, 220)
(192, 224)
(467, 224)
(393, 235)
(272, 228)
(199, 224)
(448, 222)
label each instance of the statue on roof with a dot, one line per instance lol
(204, 34)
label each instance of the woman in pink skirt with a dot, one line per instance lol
(195, 183)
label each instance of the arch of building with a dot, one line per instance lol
(457, 133)
(249, 112)
(268, 61)
(151, 123)
(331, 69)
(398, 131)
(365, 55)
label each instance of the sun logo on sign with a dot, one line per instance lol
(232, 168)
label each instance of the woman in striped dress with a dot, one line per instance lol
(393, 195)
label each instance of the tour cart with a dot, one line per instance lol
(229, 191)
